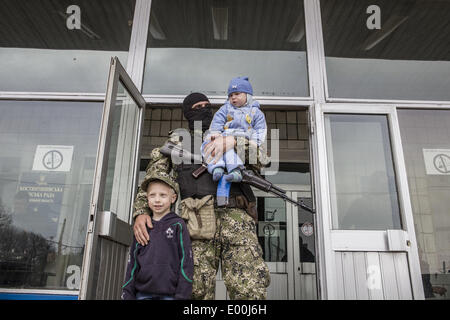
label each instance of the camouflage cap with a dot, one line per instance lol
(161, 176)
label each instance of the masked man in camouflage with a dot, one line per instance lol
(233, 242)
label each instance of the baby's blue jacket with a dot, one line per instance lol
(247, 121)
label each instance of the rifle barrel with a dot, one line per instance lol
(258, 182)
(297, 203)
(278, 188)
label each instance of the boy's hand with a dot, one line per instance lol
(140, 229)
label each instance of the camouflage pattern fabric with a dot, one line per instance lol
(235, 243)
(236, 246)
(255, 156)
(160, 163)
(163, 176)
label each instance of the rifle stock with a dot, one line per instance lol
(170, 149)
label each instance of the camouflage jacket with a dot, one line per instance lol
(160, 163)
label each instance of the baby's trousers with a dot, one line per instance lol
(229, 160)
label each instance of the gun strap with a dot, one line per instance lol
(248, 192)
(249, 201)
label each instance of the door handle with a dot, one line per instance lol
(114, 229)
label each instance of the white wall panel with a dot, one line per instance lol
(348, 270)
(372, 275)
(278, 288)
(359, 262)
(340, 277)
(388, 275)
(402, 271)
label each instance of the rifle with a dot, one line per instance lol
(170, 149)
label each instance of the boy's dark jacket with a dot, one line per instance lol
(165, 265)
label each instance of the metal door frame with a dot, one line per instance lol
(344, 240)
(116, 74)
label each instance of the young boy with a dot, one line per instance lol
(163, 269)
(239, 116)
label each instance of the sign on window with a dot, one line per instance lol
(437, 161)
(53, 158)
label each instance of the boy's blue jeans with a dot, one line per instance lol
(151, 296)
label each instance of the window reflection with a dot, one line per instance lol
(306, 233)
(361, 173)
(39, 52)
(426, 139)
(44, 198)
(122, 146)
(406, 58)
(201, 46)
(272, 228)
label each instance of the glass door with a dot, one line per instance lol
(109, 231)
(366, 213)
(286, 234)
(274, 217)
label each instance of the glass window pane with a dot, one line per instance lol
(307, 253)
(119, 175)
(272, 229)
(306, 232)
(47, 166)
(361, 174)
(399, 50)
(426, 146)
(201, 45)
(43, 48)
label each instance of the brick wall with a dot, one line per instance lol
(292, 126)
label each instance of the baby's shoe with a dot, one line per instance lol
(217, 173)
(234, 176)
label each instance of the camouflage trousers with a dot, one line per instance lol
(235, 246)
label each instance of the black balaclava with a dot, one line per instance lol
(202, 114)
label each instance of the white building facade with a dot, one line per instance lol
(356, 96)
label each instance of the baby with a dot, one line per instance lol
(239, 116)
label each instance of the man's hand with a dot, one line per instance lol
(217, 147)
(140, 229)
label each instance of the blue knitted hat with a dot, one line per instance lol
(240, 84)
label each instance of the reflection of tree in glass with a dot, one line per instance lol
(23, 255)
(5, 218)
